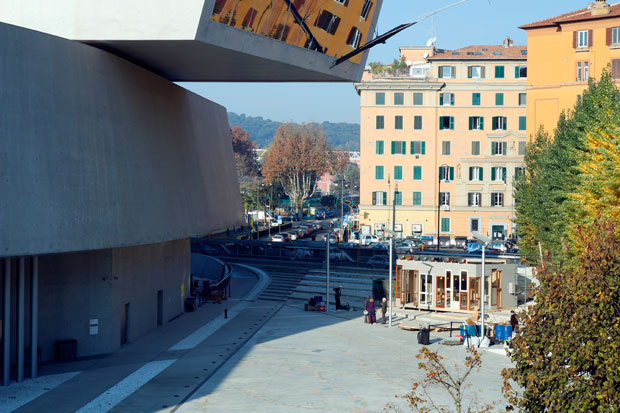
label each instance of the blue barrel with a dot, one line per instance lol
(471, 330)
(503, 332)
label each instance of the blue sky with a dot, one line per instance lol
(475, 22)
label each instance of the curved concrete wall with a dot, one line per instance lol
(96, 152)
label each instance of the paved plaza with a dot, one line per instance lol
(265, 357)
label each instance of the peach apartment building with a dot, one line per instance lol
(563, 52)
(458, 115)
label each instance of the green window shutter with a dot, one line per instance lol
(451, 122)
(411, 147)
(380, 98)
(505, 122)
(417, 198)
(522, 123)
(441, 123)
(481, 173)
(481, 123)
(493, 174)
(384, 198)
(471, 123)
(483, 72)
(374, 198)
(471, 173)
(452, 173)
(441, 99)
(423, 148)
(475, 99)
(452, 99)
(417, 173)
(494, 123)
(516, 72)
(440, 72)
(469, 70)
(504, 174)
(440, 174)
(493, 149)
(378, 172)
(445, 224)
(499, 72)
(398, 172)
(393, 147)
(504, 148)
(380, 122)
(499, 99)
(379, 148)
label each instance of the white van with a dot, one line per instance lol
(367, 239)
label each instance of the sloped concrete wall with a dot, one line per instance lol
(98, 153)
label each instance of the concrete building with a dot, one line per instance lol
(107, 167)
(563, 52)
(458, 115)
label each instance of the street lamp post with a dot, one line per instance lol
(387, 203)
(442, 168)
(393, 233)
(485, 241)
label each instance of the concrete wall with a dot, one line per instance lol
(75, 288)
(98, 153)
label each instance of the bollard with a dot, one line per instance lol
(226, 313)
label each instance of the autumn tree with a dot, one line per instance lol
(298, 155)
(566, 355)
(244, 149)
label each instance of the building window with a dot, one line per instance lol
(498, 148)
(419, 72)
(379, 198)
(417, 122)
(475, 173)
(522, 99)
(378, 172)
(327, 22)
(499, 99)
(499, 72)
(445, 148)
(418, 99)
(497, 199)
(521, 148)
(418, 148)
(398, 198)
(475, 72)
(446, 122)
(380, 98)
(446, 99)
(248, 20)
(445, 224)
(417, 173)
(519, 170)
(446, 173)
(444, 198)
(474, 225)
(522, 123)
(583, 71)
(417, 198)
(520, 72)
(475, 147)
(583, 38)
(475, 99)
(498, 174)
(476, 123)
(447, 72)
(366, 9)
(613, 36)
(474, 199)
(380, 122)
(398, 172)
(399, 98)
(398, 122)
(499, 123)
(379, 148)
(355, 37)
(399, 148)
(615, 69)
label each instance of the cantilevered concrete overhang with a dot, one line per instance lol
(180, 41)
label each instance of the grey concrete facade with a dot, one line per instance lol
(98, 153)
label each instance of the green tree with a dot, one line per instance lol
(376, 68)
(566, 356)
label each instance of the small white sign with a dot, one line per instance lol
(94, 326)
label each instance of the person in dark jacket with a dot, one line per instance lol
(338, 294)
(384, 305)
(514, 321)
(372, 312)
(366, 309)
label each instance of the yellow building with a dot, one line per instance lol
(339, 26)
(563, 52)
(458, 115)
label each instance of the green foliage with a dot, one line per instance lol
(378, 292)
(546, 210)
(344, 136)
(566, 356)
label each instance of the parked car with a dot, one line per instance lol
(368, 239)
(378, 261)
(333, 238)
(278, 238)
(379, 245)
(292, 236)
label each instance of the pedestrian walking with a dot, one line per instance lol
(372, 314)
(366, 309)
(514, 321)
(338, 294)
(384, 305)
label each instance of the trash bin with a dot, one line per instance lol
(424, 336)
(190, 304)
(66, 350)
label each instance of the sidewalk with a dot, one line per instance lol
(69, 386)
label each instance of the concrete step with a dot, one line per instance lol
(355, 303)
(356, 275)
(341, 280)
(345, 291)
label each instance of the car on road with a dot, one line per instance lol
(368, 239)
(379, 245)
(333, 238)
(378, 261)
(292, 236)
(278, 238)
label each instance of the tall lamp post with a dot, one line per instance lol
(392, 233)
(387, 203)
(485, 241)
(444, 171)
